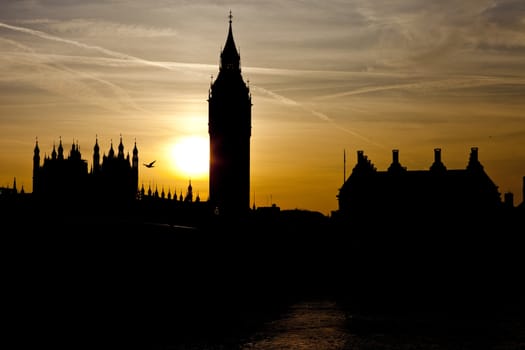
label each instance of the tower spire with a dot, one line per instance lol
(230, 58)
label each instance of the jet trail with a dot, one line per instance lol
(124, 56)
(105, 51)
(322, 116)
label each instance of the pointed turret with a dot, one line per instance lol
(135, 167)
(111, 153)
(120, 149)
(36, 165)
(60, 150)
(189, 194)
(135, 160)
(54, 152)
(36, 151)
(96, 157)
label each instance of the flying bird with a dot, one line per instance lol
(149, 165)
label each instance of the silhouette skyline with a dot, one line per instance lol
(348, 76)
(115, 178)
(96, 257)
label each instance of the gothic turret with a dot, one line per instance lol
(54, 152)
(36, 165)
(96, 157)
(135, 159)
(111, 153)
(120, 149)
(60, 150)
(189, 194)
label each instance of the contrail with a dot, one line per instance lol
(322, 116)
(447, 83)
(105, 51)
(123, 56)
(123, 96)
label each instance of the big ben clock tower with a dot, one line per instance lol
(229, 126)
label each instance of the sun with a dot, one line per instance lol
(191, 156)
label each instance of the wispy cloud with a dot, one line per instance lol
(99, 28)
(122, 95)
(322, 116)
(65, 81)
(427, 86)
(99, 49)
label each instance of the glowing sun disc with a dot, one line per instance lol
(191, 156)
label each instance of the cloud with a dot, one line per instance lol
(62, 80)
(322, 116)
(98, 28)
(99, 49)
(509, 14)
(444, 86)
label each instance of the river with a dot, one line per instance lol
(324, 325)
(316, 324)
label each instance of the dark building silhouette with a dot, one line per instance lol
(229, 126)
(11, 191)
(438, 240)
(116, 177)
(405, 195)
(111, 181)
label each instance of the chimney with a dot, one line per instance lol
(395, 156)
(474, 154)
(360, 156)
(508, 200)
(473, 162)
(437, 155)
(437, 165)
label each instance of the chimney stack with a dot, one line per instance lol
(474, 154)
(360, 156)
(437, 155)
(395, 156)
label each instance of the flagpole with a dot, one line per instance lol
(344, 165)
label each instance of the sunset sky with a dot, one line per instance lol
(325, 76)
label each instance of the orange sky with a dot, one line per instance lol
(342, 75)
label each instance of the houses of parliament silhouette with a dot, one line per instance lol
(112, 179)
(111, 183)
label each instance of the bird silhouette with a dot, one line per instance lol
(149, 165)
